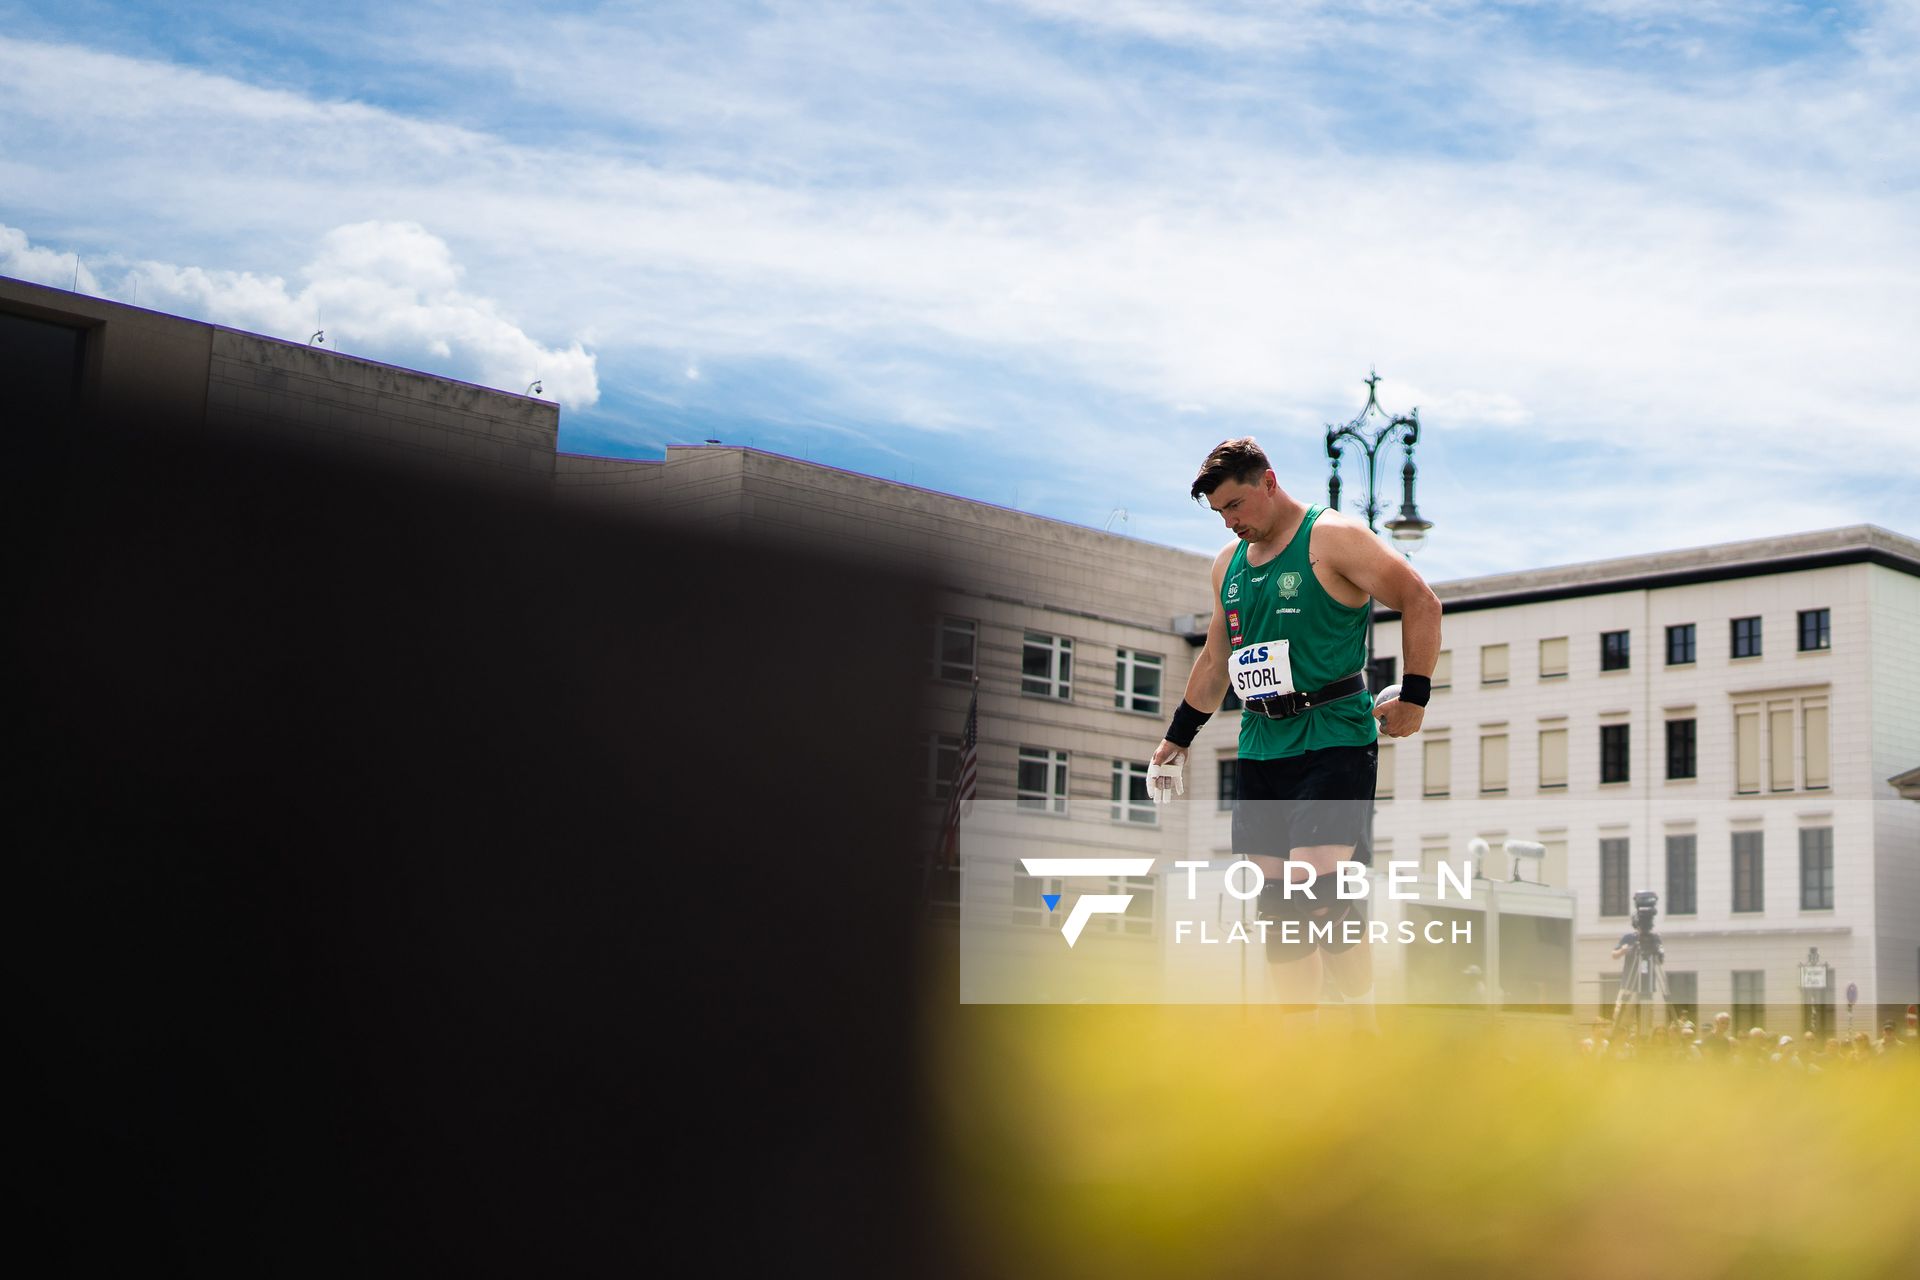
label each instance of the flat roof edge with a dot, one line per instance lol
(1680, 577)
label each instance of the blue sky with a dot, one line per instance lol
(1649, 270)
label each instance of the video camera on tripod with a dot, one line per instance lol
(1643, 972)
(1645, 904)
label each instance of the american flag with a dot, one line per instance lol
(966, 776)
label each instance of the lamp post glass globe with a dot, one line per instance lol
(1409, 530)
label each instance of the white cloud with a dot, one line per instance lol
(23, 260)
(953, 227)
(389, 290)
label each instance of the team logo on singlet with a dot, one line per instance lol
(1289, 585)
(1233, 589)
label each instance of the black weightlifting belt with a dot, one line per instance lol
(1287, 705)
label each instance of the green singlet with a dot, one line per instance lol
(1282, 600)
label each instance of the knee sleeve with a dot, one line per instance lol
(1290, 921)
(1300, 924)
(1349, 917)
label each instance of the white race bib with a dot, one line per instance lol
(1261, 670)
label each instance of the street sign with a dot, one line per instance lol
(1853, 994)
(1813, 977)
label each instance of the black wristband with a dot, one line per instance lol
(1186, 723)
(1416, 689)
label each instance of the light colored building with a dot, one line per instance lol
(1717, 725)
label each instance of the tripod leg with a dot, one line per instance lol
(1621, 1003)
(1658, 986)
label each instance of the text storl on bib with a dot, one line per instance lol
(1261, 670)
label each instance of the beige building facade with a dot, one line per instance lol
(1717, 725)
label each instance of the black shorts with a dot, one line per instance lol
(1318, 798)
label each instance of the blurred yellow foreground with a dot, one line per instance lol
(1198, 1141)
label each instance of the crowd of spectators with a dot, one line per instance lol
(1679, 1040)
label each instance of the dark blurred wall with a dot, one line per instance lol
(407, 879)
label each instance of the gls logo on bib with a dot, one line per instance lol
(1262, 671)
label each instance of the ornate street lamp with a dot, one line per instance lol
(1409, 529)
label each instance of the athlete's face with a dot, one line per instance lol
(1248, 509)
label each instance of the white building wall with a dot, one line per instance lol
(1713, 941)
(1894, 748)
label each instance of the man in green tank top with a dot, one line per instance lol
(1291, 596)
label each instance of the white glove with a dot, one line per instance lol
(1165, 781)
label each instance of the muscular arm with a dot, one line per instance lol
(1362, 559)
(1207, 682)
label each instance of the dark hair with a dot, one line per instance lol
(1240, 460)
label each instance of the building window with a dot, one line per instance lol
(954, 644)
(1749, 870)
(1683, 995)
(1613, 877)
(1382, 672)
(1609, 990)
(1443, 670)
(1553, 759)
(1613, 752)
(1383, 772)
(1746, 637)
(1780, 746)
(1680, 645)
(1136, 681)
(1813, 725)
(1816, 630)
(1746, 750)
(1493, 764)
(1229, 785)
(1615, 653)
(1438, 760)
(1137, 920)
(1493, 664)
(1816, 868)
(1681, 760)
(939, 754)
(1029, 900)
(1775, 722)
(44, 365)
(1682, 895)
(1046, 666)
(1042, 780)
(1130, 802)
(1553, 658)
(1749, 999)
